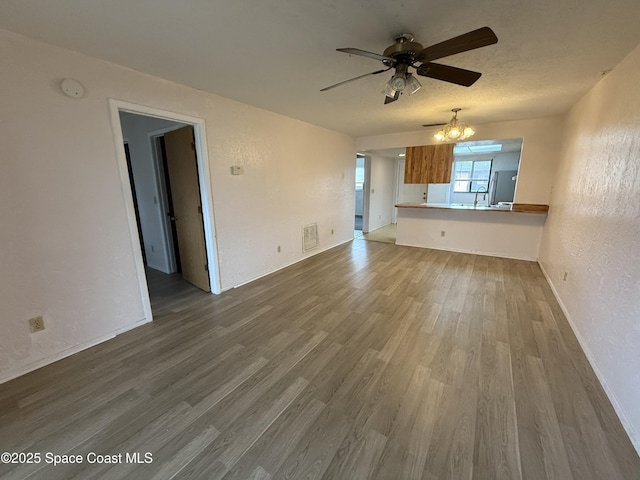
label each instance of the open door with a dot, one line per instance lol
(182, 166)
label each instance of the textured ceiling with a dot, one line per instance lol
(278, 54)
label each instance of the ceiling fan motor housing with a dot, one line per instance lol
(403, 51)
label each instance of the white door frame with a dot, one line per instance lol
(400, 162)
(117, 106)
(366, 194)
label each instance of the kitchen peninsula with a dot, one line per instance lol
(511, 232)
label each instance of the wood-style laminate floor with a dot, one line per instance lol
(366, 361)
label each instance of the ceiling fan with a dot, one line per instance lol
(406, 53)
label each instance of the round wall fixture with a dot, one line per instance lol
(72, 88)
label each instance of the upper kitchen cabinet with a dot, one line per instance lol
(429, 164)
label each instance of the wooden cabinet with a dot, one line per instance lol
(428, 164)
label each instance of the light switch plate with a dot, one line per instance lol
(237, 170)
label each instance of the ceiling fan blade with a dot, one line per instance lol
(364, 53)
(456, 75)
(389, 99)
(354, 79)
(469, 41)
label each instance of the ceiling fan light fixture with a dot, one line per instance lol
(395, 85)
(398, 82)
(413, 84)
(389, 91)
(454, 130)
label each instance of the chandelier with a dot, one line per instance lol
(454, 130)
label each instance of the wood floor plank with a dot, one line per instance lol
(73, 434)
(451, 449)
(239, 438)
(171, 467)
(250, 392)
(359, 459)
(279, 441)
(497, 453)
(368, 360)
(259, 474)
(546, 424)
(409, 435)
(313, 455)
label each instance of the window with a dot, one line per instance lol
(469, 176)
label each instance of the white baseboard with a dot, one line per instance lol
(315, 252)
(10, 375)
(633, 435)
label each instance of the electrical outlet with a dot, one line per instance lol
(564, 277)
(279, 249)
(442, 233)
(36, 324)
(332, 231)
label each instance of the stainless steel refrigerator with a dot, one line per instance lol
(502, 186)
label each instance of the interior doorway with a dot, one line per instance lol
(161, 156)
(167, 183)
(359, 196)
(162, 164)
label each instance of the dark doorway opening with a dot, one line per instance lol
(170, 212)
(135, 201)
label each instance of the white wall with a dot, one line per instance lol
(496, 233)
(593, 234)
(136, 129)
(540, 150)
(67, 252)
(382, 191)
(439, 193)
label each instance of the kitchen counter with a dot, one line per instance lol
(514, 232)
(515, 208)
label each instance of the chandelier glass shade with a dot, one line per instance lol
(455, 130)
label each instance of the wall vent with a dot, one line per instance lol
(309, 237)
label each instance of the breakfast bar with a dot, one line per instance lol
(512, 231)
